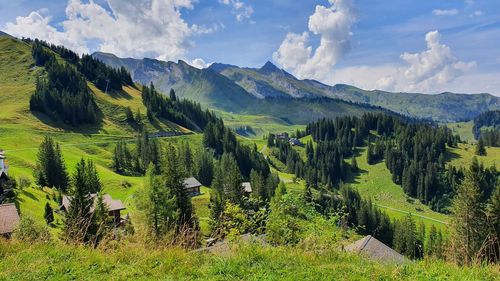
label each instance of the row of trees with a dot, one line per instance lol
(183, 112)
(413, 152)
(227, 197)
(222, 140)
(104, 77)
(63, 94)
(135, 162)
(486, 119)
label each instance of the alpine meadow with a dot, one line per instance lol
(346, 147)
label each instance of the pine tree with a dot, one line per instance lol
(173, 97)
(480, 149)
(79, 223)
(158, 204)
(432, 242)
(48, 214)
(172, 177)
(51, 169)
(468, 221)
(204, 167)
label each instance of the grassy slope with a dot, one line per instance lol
(462, 156)
(21, 132)
(244, 262)
(375, 182)
(464, 130)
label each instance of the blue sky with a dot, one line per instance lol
(404, 45)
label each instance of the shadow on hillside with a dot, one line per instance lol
(120, 95)
(450, 155)
(29, 195)
(354, 177)
(85, 129)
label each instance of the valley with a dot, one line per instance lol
(254, 103)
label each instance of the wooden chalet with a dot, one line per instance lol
(114, 206)
(9, 219)
(192, 186)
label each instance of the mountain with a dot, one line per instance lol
(240, 89)
(220, 92)
(270, 81)
(202, 85)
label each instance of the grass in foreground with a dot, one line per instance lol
(124, 261)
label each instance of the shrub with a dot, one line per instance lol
(24, 182)
(29, 230)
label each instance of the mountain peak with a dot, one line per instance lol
(269, 67)
(219, 67)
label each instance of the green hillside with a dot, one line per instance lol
(21, 131)
(126, 261)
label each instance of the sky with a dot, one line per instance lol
(401, 45)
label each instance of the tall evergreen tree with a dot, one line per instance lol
(480, 149)
(468, 221)
(51, 169)
(173, 175)
(158, 204)
(48, 214)
(81, 225)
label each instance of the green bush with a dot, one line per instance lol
(29, 230)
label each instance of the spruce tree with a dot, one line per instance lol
(172, 95)
(172, 177)
(51, 169)
(158, 204)
(468, 221)
(79, 224)
(480, 149)
(48, 214)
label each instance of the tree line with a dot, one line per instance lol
(413, 151)
(184, 112)
(486, 119)
(105, 78)
(63, 93)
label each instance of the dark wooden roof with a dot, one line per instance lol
(111, 204)
(191, 183)
(375, 250)
(9, 218)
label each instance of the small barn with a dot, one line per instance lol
(247, 187)
(373, 249)
(114, 206)
(192, 186)
(9, 219)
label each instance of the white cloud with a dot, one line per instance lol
(477, 13)
(439, 12)
(333, 25)
(35, 25)
(434, 70)
(436, 65)
(240, 9)
(199, 63)
(132, 28)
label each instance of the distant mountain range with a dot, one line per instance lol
(237, 89)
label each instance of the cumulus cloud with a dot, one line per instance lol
(138, 28)
(439, 12)
(199, 63)
(436, 65)
(333, 25)
(240, 9)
